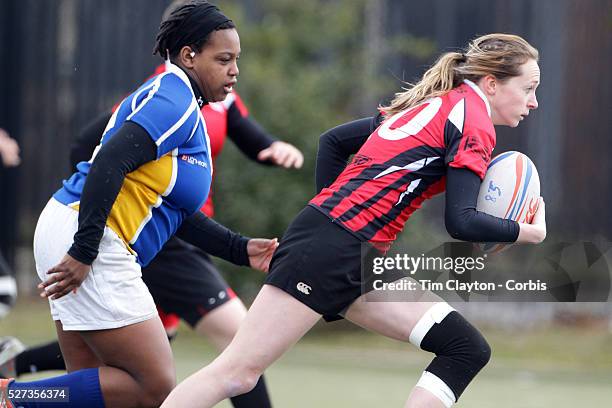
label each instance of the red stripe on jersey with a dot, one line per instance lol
(404, 163)
(397, 225)
(362, 161)
(365, 192)
(358, 222)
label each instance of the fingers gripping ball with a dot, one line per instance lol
(510, 190)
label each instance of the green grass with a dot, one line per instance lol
(337, 367)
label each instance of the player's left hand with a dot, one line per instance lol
(64, 277)
(282, 154)
(260, 252)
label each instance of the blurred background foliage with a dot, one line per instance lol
(303, 71)
(306, 66)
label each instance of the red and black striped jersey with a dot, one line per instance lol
(404, 162)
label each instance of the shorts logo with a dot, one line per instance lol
(304, 288)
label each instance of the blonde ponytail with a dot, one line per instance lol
(500, 55)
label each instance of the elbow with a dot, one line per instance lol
(327, 139)
(453, 229)
(458, 228)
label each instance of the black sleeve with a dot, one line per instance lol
(82, 148)
(247, 134)
(214, 239)
(337, 145)
(462, 219)
(128, 149)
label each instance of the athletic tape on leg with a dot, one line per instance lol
(437, 387)
(434, 315)
(461, 350)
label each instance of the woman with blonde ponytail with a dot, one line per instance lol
(499, 55)
(437, 134)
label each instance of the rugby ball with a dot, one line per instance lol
(510, 190)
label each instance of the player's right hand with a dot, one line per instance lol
(282, 154)
(535, 232)
(539, 219)
(64, 277)
(260, 251)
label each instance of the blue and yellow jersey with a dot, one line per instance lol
(158, 196)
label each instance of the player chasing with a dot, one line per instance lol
(183, 280)
(116, 212)
(438, 135)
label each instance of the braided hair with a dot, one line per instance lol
(189, 23)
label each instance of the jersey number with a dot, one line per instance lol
(414, 125)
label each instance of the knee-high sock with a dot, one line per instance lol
(83, 390)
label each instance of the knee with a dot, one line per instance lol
(461, 350)
(243, 378)
(156, 390)
(456, 339)
(478, 349)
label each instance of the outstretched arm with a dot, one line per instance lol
(255, 143)
(217, 240)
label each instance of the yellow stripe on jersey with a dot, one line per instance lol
(141, 191)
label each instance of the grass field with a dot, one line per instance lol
(335, 367)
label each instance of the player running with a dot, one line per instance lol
(438, 134)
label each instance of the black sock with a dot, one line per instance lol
(256, 398)
(41, 358)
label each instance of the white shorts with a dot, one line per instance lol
(113, 295)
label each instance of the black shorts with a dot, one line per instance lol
(319, 263)
(183, 280)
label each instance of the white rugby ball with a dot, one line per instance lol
(510, 190)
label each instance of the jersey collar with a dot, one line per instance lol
(479, 93)
(199, 96)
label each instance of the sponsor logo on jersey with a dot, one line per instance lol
(474, 144)
(193, 160)
(304, 288)
(360, 159)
